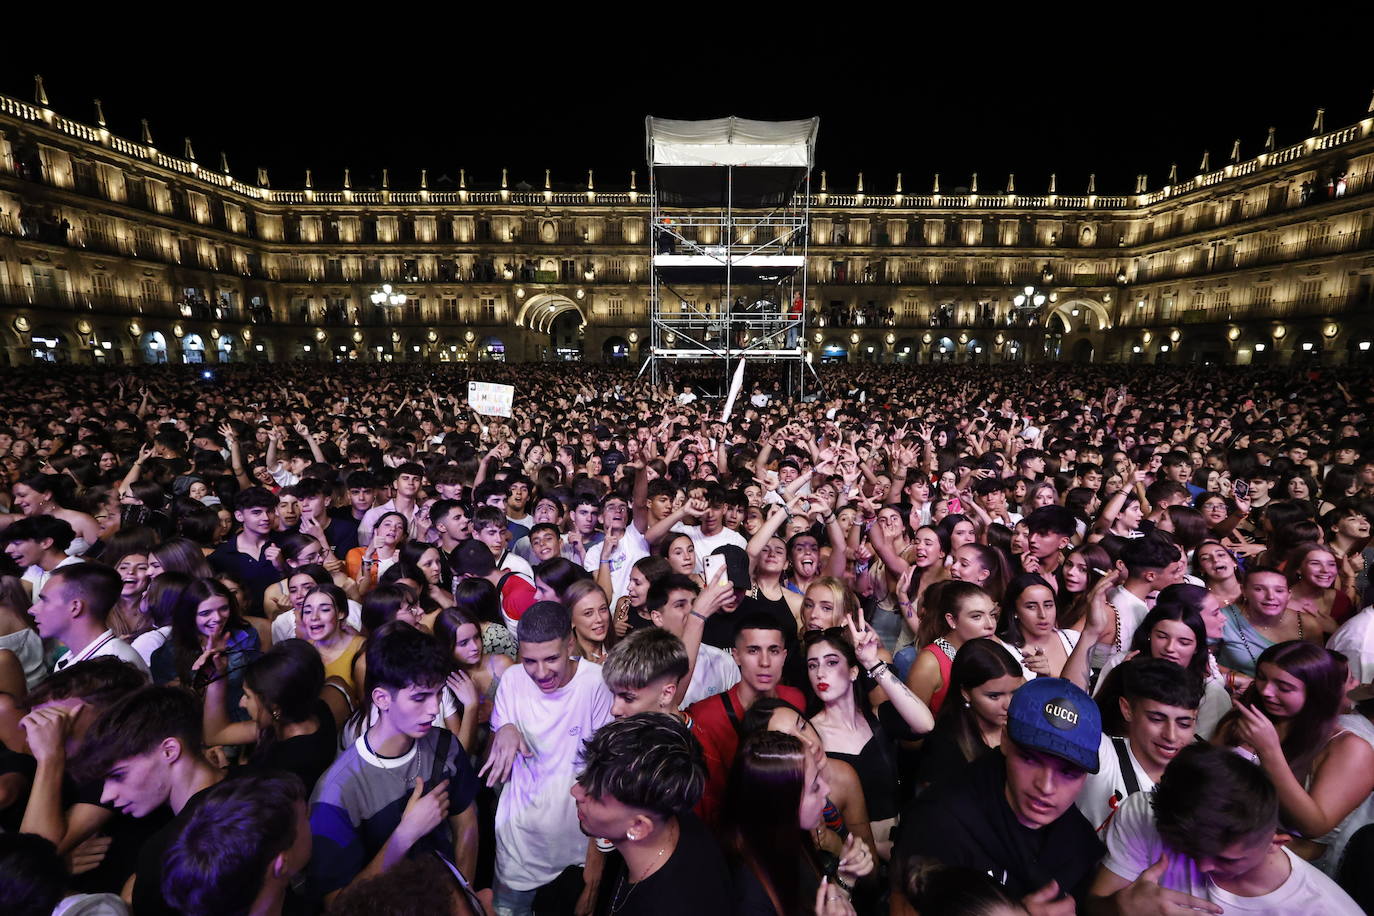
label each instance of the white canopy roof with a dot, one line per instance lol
(731, 141)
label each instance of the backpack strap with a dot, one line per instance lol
(1127, 770)
(730, 711)
(436, 771)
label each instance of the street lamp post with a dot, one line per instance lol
(1027, 305)
(387, 296)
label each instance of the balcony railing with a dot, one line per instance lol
(1224, 260)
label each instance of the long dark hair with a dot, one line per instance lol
(558, 573)
(1181, 602)
(759, 818)
(287, 680)
(412, 551)
(835, 639)
(1323, 675)
(477, 598)
(448, 622)
(1009, 624)
(977, 662)
(185, 639)
(1072, 611)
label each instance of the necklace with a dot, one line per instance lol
(1245, 640)
(617, 904)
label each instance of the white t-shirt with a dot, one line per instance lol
(627, 554)
(105, 644)
(706, 544)
(1133, 845)
(1216, 703)
(536, 819)
(145, 644)
(1106, 786)
(518, 565)
(1355, 640)
(1130, 611)
(37, 576)
(715, 672)
(284, 624)
(27, 647)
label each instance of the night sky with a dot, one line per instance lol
(542, 97)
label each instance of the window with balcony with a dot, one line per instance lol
(487, 309)
(145, 243)
(449, 308)
(615, 307)
(102, 285)
(150, 290)
(1309, 292)
(1264, 296)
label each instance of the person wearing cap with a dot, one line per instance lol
(474, 559)
(720, 629)
(1012, 815)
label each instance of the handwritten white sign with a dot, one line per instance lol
(491, 399)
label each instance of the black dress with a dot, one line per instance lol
(308, 756)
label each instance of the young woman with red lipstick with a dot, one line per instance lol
(853, 733)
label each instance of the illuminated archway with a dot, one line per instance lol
(1065, 310)
(539, 312)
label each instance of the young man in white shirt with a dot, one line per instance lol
(39, 544)
(409, 477)
(1148, 563)
(1207, 841)
(1159, 702)
(611, 560)
(1355, 640)
(676, 604)
(546, 707)
(72, 609)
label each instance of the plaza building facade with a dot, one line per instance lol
(116, 251)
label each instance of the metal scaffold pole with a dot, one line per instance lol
(730, 206)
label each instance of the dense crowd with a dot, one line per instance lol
(941, 640)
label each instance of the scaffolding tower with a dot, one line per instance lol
(731, 212)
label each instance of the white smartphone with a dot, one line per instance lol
(713, 563)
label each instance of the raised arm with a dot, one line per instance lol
(692, 508)
(777, 514)
(304, 432)
(1097, 630)
(1342, 781)
(913, 710)
(231, 441)
(136, 469)
(883, 548)
(709, 600)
